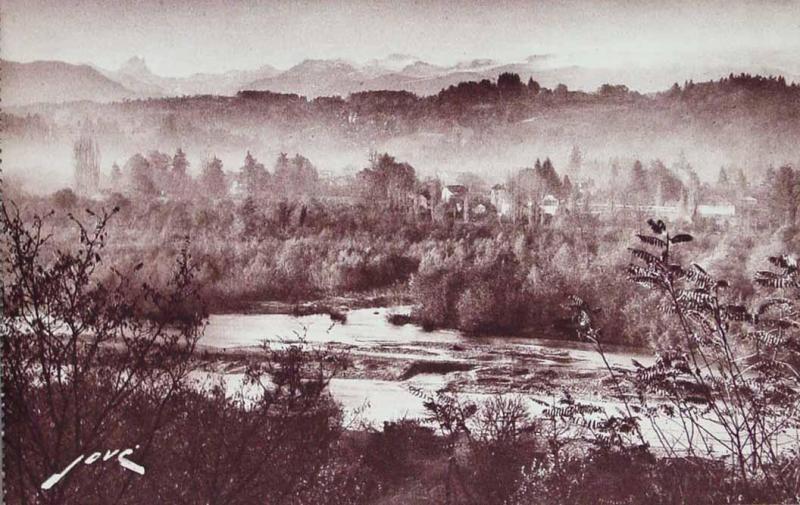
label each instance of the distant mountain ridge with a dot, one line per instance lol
(55, 82)
(136, 75)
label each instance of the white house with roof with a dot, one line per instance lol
(454, 191)
(549, 205)
(457, 196)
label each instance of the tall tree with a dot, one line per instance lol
(566, 187)
(180, 173)
(251, 218)
(253, 176)
(785, 194)
(549, 177)
(638, 181)
(386, 181)
(86, 155)
(304, 174)
(160, 164)
(140, 177)
(212, 178)
(722, 178)
(741, 181)
(115, 178)
(575, 160)
(533, 86)
(295, 176)
(180, 165)
(668, 185)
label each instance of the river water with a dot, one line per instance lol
(367, 331)
(373, 401)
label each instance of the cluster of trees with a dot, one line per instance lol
(656, 185)
(159, 174)
(508, 86)
(152, 175)
(753, 84)
(385, 185)
(387, 181)
(534, 183)
(296, 244)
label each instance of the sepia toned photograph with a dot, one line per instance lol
(428, 252)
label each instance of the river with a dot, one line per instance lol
(367, 333)
(393, 359)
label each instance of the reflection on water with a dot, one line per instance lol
(369, 328)
(364, 327)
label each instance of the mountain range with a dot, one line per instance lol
(55, 81)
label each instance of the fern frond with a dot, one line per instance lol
(768, 338)
(788, 263)
(699, 296)
(651, 240)
(681, 237)
(666, 307)
(647, 281)
(779, 323)
(658, 227)
(699, 276)
(645, 256)
(773, 302)
(575, 301)
(772, 280)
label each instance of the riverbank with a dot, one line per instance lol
(326, 305)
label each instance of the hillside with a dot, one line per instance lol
(486, 127)
(56, 82)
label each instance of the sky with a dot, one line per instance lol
(181, 37)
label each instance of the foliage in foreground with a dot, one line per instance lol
(97, 364)
(90, 365)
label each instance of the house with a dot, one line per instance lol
(750, 215)
(500, 198)
(456, 197)
(549, 205)
(455, 191)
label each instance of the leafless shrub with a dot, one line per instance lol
(78, 349)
